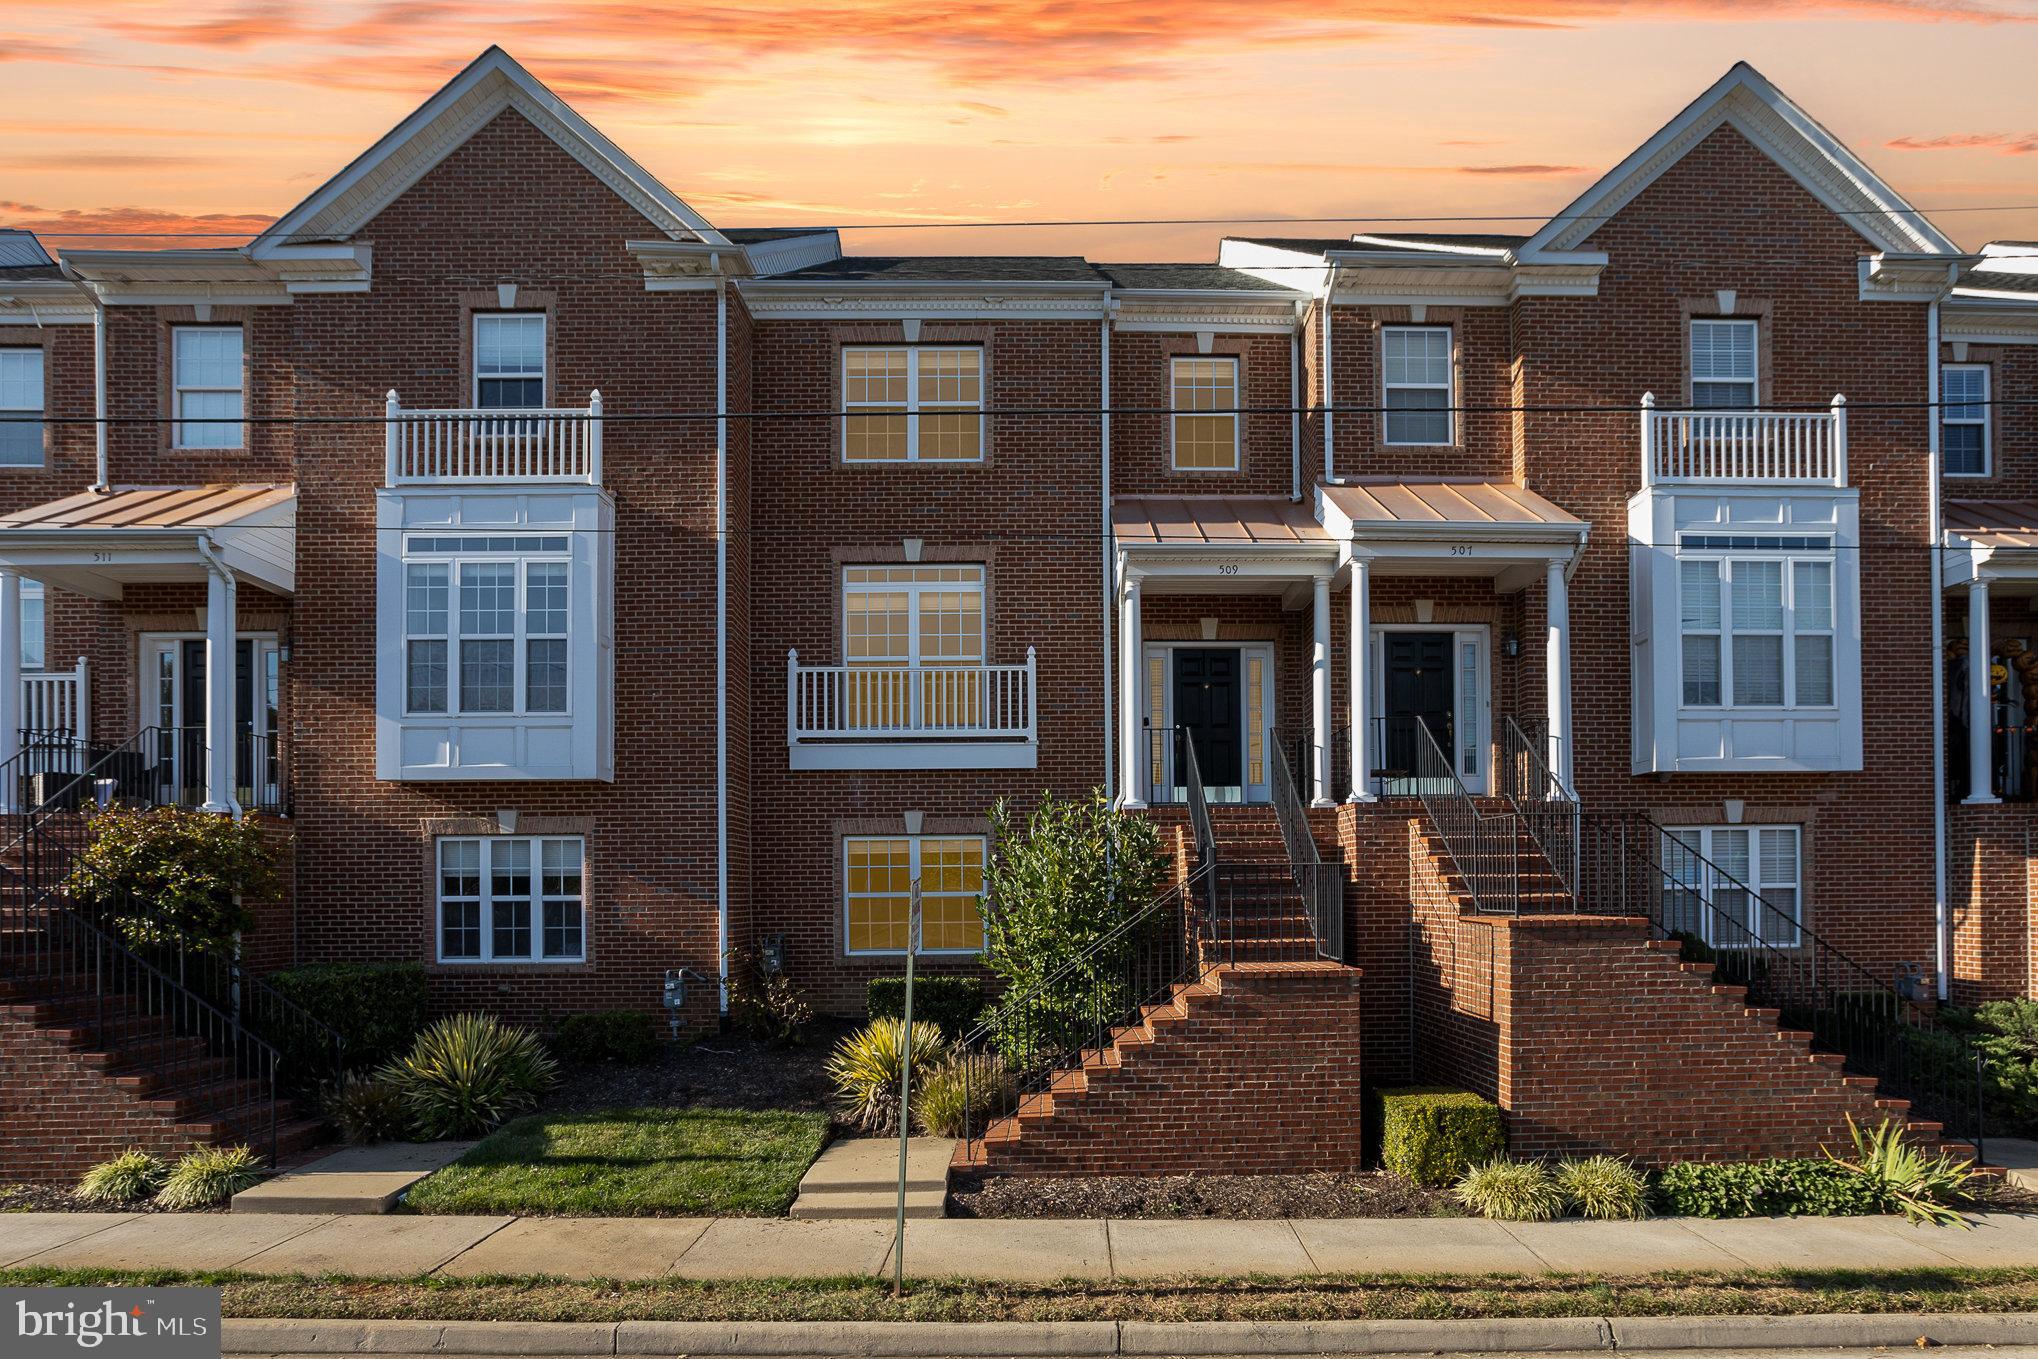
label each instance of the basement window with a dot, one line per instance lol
(879, 873)
(511, 899)
(1734, 886)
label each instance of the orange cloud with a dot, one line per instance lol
(2009, 143)
(133, 228)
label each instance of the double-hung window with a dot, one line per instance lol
(914, 643)
(1204, 398)
(1734, 886)
(879, 872)
(511, 899)
(207, 386)
(509, 360)
(1963, 419)
(486, 624)
(1756, 621)
(21, 407)
(1415, 363)
(912, 403)
(1723, 364)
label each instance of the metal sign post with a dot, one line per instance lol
(905, 1092)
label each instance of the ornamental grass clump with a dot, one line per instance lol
(368, 1109)
(1610, 1188)
(468, 1074)
(865, 1071)
(1923, 1188)
(1510, 1191)
(962, 1094)
(130, 1177)
(209, 1176)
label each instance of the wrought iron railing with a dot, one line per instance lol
(1321, 885)
(1548, 808)
(1300, 745)
(1484, 846)
(259, 774)
(1199, 801)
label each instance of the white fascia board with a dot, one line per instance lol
(1414, 247)
(1296, 270)
(45, 302)
(1989, 320)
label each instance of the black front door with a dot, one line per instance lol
(1207, 711)
(192, 740)
(1416, 692)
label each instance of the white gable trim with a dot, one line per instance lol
(494, 82)
(1745, 99)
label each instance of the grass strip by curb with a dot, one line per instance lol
(1382, 1297)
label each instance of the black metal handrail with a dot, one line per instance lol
(1199, 802)
(1484, 847)
(1321, 884)
(1301, 746)
(1548, 808)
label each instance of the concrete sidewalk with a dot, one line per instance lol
(403, 1246)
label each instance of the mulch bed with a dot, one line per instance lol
(55, 1198)
(1190, 1196)
(722, 1071)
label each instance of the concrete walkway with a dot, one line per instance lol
(351, 1180)
(402, 1246)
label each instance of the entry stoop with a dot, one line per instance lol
(859, 1177)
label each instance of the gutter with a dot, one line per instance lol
(1942, 917)
(101, 481)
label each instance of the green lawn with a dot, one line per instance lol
(631, 1163)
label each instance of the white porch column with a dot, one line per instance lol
(1319, 697)
(1557, 671)
(1132, 759)
(221, 598)
(1980, 712)
(1362, 725)
(10, 689)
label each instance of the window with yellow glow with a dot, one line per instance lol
(878, 892)
(913, 637)
(1205, 399)
(905, 403)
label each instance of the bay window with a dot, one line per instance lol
(1724, 372)
(207, 386)
(1204, 397)
(486, 624)
(21, 407)
(1756, 631)
(511, 899)
(1415, 364)
(912, 403)
(1734, 886)
(879, 873)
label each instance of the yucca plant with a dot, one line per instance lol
(1510, 1191)
(468, 1074)
(961, 1093)
(209, 1176)
(1923, 1188)
(130, 1177)
(368, 1109)
(865, 1070)
(1610, 1188)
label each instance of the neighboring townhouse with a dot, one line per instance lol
(608, 590)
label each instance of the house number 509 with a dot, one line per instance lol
(1227, 570)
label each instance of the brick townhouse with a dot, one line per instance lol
(607, 589)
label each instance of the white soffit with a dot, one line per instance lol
(470, 101)
(1745, 99)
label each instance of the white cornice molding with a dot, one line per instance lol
(856, 299)
(1989, 321)
(1136, 313)
(1432, 283)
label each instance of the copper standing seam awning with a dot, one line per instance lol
(1214, 521)
(97, 543)
(1473, 504)
(1993, 523)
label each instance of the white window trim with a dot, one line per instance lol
(520, 637)
(178, 389)
(1753, 382)
(913, 590)
(544, 356)
(40, 410)
(1177, 411)
(1700, 839)
(33, 589)
(1789, 632)
(914, 409)
(1984, 421)
(1254, 792)
(1480, 708)
(913, 849)
(538, 957)
(1449, 386)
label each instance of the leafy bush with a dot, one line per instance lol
(1778, 1188)
(1432, 1136)
(377, 1007)
(468, 1073)
(1510, 1191)
(952, 1002)
(209, 1176)
(1610, 1188)
(625, 1037)
(961, 1094)
(161, 875)
(128, 1178)
(368, 1109)
(2006, 1032)
(1923, 1188)
(1054, 888)
(765, 1003)
(865, 1070)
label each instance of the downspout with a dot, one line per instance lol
(102, 481)
(1942, 918)
(1110, 593)
(1295, 411)
(1329, 402)
(722, 635)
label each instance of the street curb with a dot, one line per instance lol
(1091, 1339)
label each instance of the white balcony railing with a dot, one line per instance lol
(1805, 448)
(57, 702)
(909, 702)
(431, 448)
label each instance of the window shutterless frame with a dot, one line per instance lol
(1735, 886)
(1203, 430)
(208, 385)
(1964, 431)
(1755, 629)
(22, 393)
(878, 872)
(912, 403)
(487, 625)
(518, 899)
(1724, 355)
(1417, 380)
(509, 360)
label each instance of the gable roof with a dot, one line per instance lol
(493, 82)
(1746, 100)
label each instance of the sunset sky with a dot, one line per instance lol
(127, 115)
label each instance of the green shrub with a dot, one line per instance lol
(1432, 1136)
(1609, 1188)
(130, 1177)
(378, 1009)
(209, 1176)
(765, 1003)
(1510, 1191)
(865, 1070)
(468, 1073)
(368, 1109)
(625, 1037)
(1779, 1188)
(164, 876)
(961, 1094)
(1923, 1188)
(954, 1003)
